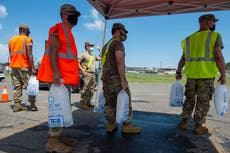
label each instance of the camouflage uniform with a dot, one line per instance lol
(112, 83)
(198, 90)
(88, 89)
(198, 93)
(89, 80)
(20, 78)
(111, 87)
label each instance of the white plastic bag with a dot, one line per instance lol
(122, 112)
(33, 86)
(60, 113)
(221, 99)
(176, 94)
(100, 102)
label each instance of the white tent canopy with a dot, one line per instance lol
(114, 9)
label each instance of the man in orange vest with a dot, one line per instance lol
(60, 65)
(22, 64)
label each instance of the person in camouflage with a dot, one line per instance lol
(59, 65)
(87, 65)
(114, 80)
(22, 64)
(202, 57)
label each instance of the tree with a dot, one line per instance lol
(227, 66)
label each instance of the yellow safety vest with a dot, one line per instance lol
(89, 64)
(106, 52)
(198, 49)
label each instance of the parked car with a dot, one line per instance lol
(2, 74)
(44, 85)
(76, 89)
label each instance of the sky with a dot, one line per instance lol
(152, 41)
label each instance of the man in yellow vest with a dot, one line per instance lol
(87, 65)
(22, 64)
(202, 58)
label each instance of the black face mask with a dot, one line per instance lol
(73, 19)
(123, 36)
(213, 28)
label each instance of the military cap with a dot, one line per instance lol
(88, 43)
(24, 26)
(119, 26)
(68, 8)
(207, 17)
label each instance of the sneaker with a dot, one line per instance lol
(129, 128)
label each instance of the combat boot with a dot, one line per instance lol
(33, 106)
(54, 144)
(85, 107)
(183, 125)
(69, 141)
(90, 105)
(129, 128)
(111, 127)
(18, 107)
(200, 130)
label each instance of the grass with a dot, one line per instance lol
(143, 77)
(164, 78)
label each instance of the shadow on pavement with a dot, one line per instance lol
(159, 135)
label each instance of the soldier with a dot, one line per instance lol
(114, 80)
(22, 64)
(60, 65)
(202, 57)
(87, 65)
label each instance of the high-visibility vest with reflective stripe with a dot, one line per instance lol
(198, 49)
(90, 63)
(67, 57)
(106, 52)
(17, 50)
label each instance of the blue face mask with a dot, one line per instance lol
(91, 49)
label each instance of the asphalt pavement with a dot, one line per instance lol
(26, 132)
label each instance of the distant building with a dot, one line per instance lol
(166, 70)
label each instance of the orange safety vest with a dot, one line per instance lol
(67, 57)
(18, 54)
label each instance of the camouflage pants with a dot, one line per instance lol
(88, 89)
(20, 78)
(58, 131)
(198, 94)
(112, 87)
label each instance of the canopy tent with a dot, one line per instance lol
(114, 9)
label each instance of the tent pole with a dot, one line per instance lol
(99, 73)
(104, 31)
